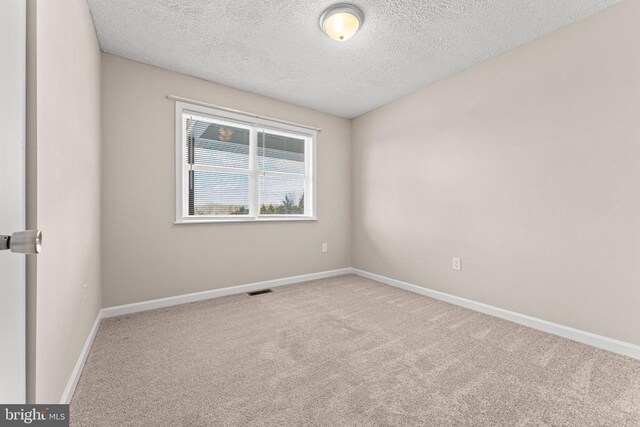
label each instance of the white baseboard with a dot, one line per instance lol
(599, 341)
(77, 370)
(119, 310)
(179, 299)
(610, 344)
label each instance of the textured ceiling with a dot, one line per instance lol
(276, 47)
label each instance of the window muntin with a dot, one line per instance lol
(230, 169)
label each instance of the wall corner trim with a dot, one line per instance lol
(594, 340)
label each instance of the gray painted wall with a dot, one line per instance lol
(145, 255)
(66, 134)
(528, 167)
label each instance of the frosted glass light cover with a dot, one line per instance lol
(341, 21)
(341, 26)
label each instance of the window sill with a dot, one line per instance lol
(244, 220)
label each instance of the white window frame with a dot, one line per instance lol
(254, 125)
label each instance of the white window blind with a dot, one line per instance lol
(235, 168)
(281, 166)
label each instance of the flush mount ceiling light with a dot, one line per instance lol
(341, 21)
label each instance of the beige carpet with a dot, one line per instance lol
(345, 351)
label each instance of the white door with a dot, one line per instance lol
(12, 198)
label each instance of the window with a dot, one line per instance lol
(232, 167)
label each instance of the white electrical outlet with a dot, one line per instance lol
(456, 264)
(325, 248)
(84, 293)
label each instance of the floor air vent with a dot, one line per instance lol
(264, 291)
